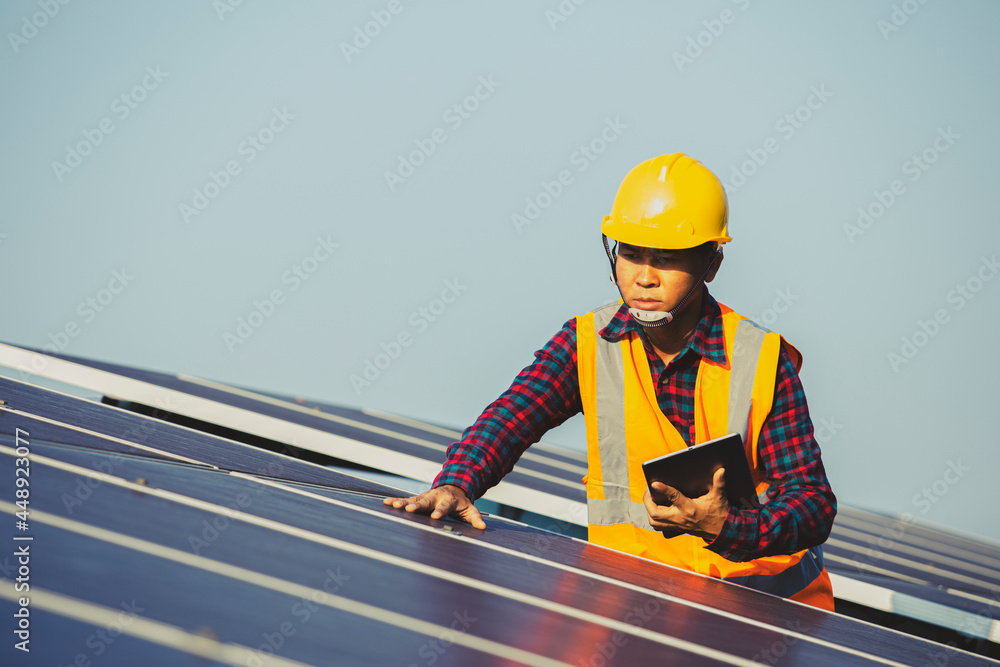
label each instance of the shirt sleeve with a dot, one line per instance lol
(801, 507)
(543, 395)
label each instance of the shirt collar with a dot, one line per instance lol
(708, 339)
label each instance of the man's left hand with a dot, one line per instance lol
(703, 516)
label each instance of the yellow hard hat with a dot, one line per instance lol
(671, 202)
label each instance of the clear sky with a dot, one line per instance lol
(274, 194)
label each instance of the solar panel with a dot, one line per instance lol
(223, 565)
(539, 482)
(218, 541)
(898, 566)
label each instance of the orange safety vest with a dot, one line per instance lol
(625, 427)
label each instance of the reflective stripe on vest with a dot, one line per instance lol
(610, 387)
(746, 350)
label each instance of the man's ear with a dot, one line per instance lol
(716, 263)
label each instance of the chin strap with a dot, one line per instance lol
(655, 318)
(611, 258)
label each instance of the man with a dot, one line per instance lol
(667, 368)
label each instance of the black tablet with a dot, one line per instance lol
(690, 470)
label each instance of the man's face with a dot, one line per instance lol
(653, 279)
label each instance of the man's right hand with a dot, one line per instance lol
(441, 501)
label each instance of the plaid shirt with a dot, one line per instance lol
(802, 506)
